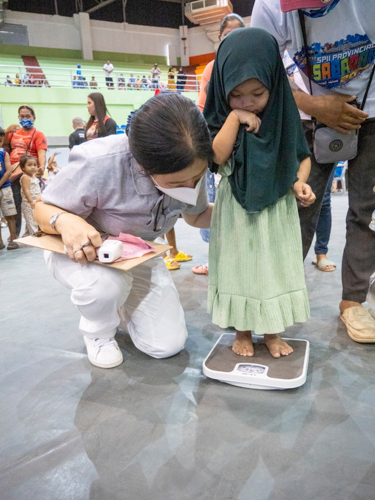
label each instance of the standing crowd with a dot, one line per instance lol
(24, 171)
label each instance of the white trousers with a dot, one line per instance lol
(143, 300)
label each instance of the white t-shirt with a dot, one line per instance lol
(341, 40)
(108, 68)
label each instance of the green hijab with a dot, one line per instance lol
(264, 165)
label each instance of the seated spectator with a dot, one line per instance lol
(74, 82)
(93, 82)
(79, 135)
(131, 83)
(84, 83)
(26, 78)
(17, 80)
(45, 83)
(138, 83)
(144, 83)
(8, 82)
(149, 81)
(121, 82)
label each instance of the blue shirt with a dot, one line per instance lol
(3, 170)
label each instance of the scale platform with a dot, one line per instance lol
(261, 371)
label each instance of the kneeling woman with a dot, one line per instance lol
(137, 185)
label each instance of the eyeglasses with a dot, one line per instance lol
(160, 216)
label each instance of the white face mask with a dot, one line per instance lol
(184, 194)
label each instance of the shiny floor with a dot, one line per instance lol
(158, 429)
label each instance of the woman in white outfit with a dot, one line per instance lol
(137, 185)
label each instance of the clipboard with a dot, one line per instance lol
(54, 243)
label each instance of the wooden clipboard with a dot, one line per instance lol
(54, 243)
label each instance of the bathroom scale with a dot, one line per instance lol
(260, 371)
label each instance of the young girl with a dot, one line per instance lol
(256, 280)
(30, 190)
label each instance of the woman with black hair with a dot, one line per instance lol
(138, 185)
(99, 123)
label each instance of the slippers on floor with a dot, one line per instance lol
(202, 269)
(182, 257)
(322, 264)
(171, 264)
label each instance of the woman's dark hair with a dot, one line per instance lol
(24, 158)
(100, 112)
(231, 17)
(29, 108)
(168, 133)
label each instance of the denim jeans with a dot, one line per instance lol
(323, 229)
(211, 192)
(359, 254)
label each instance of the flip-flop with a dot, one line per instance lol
(182, 257)
(324, 263)
(171, 265)
(201, 269)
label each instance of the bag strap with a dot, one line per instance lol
(368, 87)
(301, 16)
(31, 141)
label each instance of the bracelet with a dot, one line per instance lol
(54, 218)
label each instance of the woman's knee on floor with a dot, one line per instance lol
(166, 345)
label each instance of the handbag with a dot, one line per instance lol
(16, 169)
(330, 146)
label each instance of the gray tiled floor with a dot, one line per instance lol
(158, 429)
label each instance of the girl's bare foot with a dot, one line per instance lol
(243, 344)
(277, 346)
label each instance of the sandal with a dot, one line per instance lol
(171, 264)
(12, 245)
(182, 257)
(322, 264)
(201, 269)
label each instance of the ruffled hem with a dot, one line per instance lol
(261, 316)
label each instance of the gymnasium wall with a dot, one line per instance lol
(61, 37)
(117, 41)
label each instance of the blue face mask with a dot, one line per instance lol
(26, 123)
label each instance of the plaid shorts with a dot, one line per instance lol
(7, 202)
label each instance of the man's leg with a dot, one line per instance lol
(318, 179)
(359, 253)
(153, 313)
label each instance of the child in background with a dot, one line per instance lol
(256, 279)
(30, 190)
(7, 205)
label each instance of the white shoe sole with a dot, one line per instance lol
(102, 365)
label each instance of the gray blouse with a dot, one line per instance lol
(103, 184)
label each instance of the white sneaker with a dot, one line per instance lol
(104, 353)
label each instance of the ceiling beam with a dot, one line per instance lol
(97, 7)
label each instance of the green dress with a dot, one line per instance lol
(256, 277)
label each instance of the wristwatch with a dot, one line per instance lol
(53, 220)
